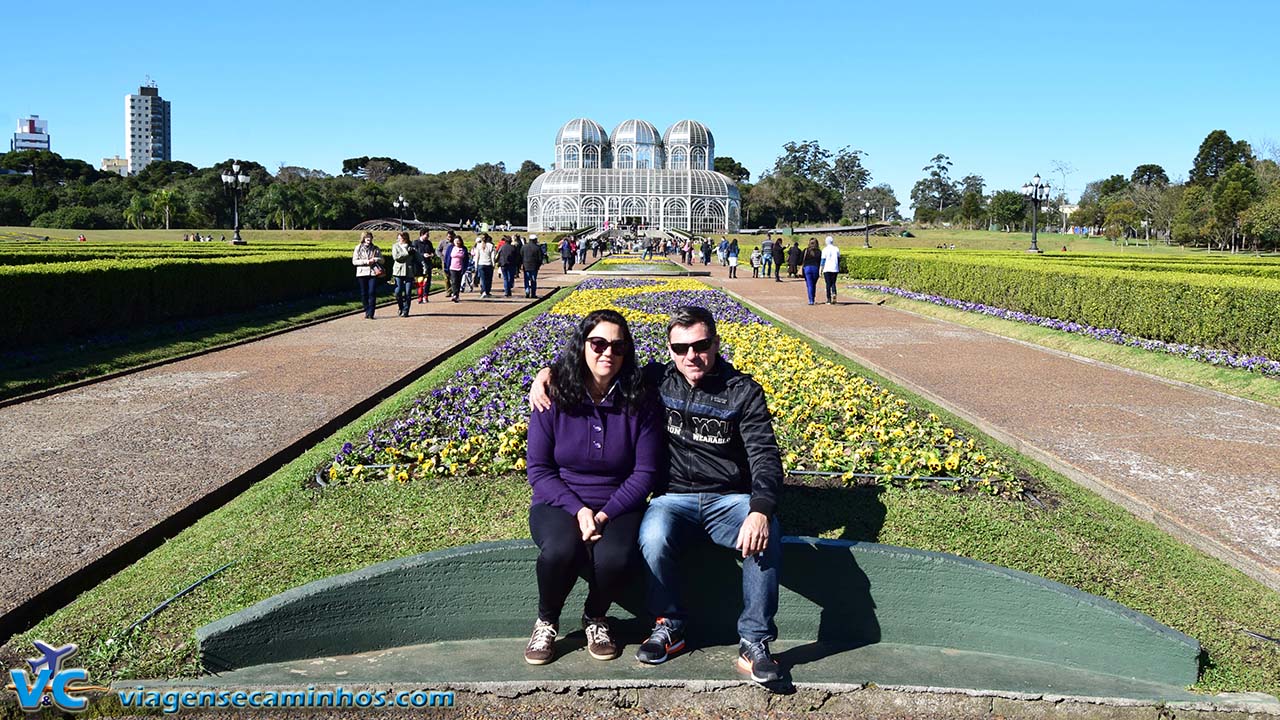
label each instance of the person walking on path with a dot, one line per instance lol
(455, 261)
(830, 268)
(445, 244)
(732, 254)
(565, 248)
(812, 261)
(766, 258)
(706, 252)
(509, 264)
(794, 256)
(723, 252)
(426, 259)
(485, 255)
(593, 458)
(404, 261)
(368, 261)
(531, 258)
(778, 257)
(755, 262)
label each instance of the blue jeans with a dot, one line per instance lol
(368, 292)
(404, 292)
(810, 280)
(675, 519)
(508, 279)
(531, 282)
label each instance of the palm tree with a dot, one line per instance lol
(136, 212)
(163, 200)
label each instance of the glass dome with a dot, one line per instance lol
(688, 144)
(581, 130)
(636, 145)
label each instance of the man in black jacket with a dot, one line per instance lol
(509, 261)
(531, 257)
(723, 482)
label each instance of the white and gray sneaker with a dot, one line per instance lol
(600, 643)
(541, 647)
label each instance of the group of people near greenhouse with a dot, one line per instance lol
(629, 465)
(412, 263)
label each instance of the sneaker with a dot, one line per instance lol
(600, 643)
(663, 642)
(754, 659)
(541, 648)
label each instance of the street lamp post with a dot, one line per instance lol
(866, 224)
(1037, 193)
(402, 207)
(236, 183)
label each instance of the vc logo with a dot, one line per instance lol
(48, 684)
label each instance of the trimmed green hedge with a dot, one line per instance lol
(50, 301)
(1232, 312)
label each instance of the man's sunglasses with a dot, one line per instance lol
(699, 346)
(598, 345)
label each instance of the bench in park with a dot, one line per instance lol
(850, 612)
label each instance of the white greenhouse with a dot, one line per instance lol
(634, 177)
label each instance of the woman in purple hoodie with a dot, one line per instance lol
(593, 457)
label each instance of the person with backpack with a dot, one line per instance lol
(509, 264)
(531, 258)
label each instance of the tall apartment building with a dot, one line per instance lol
(32, 134)
(146, 128)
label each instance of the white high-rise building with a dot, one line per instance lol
(32, 134)
(146, 128)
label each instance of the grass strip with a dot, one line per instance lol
(281, 536)
(31, 370)
(1231, 381)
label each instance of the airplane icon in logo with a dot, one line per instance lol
(52, 657)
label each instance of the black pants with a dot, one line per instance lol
(455, 283)
(563, 557)
(830, 279)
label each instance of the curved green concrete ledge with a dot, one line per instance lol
(835, 592)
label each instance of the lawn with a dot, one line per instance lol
(279, 534)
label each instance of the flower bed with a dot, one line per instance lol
(1242, 361)
(826, 419)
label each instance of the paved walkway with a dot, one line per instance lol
(91, 468)
(1202, 465)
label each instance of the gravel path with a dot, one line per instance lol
(91, 468)
(1201, 464)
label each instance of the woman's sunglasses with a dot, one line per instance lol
(699, 346)
(598, 345)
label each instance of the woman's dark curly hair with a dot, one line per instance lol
(570, 376)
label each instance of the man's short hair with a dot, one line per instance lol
(690, 315)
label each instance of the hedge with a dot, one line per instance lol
(51, 301)
(1237, 313)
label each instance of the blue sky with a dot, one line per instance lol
(1004, 89)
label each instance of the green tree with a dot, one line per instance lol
(1217, 153)
(726, 165)
(807, 160)
(1008, 208)
(1149, 175)
(935, 190)
(164, 201)
(1192, 220)
(135, 214)
(848, 174)
(971, 208)
(1262, 222)
(1121, 219)
(1236, 189)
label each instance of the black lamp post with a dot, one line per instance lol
(1037, 193)
(236, 183)
(402, 207)
(866, 224)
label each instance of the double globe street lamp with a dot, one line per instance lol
(236, 183)
(1037, 193)
(402, 208)
(866, 224)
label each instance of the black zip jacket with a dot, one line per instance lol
(720, 436)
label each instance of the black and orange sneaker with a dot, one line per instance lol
(754, 660)
(663, 642)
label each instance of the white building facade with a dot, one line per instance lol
(146, 128)
(32, 134)
(634, 176)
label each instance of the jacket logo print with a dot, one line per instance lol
(711, 430)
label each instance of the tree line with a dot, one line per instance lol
(1229, 200)
(47, 190)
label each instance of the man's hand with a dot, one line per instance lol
(538, 397)
(601, 519)
(753, 536)
(587, 524)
